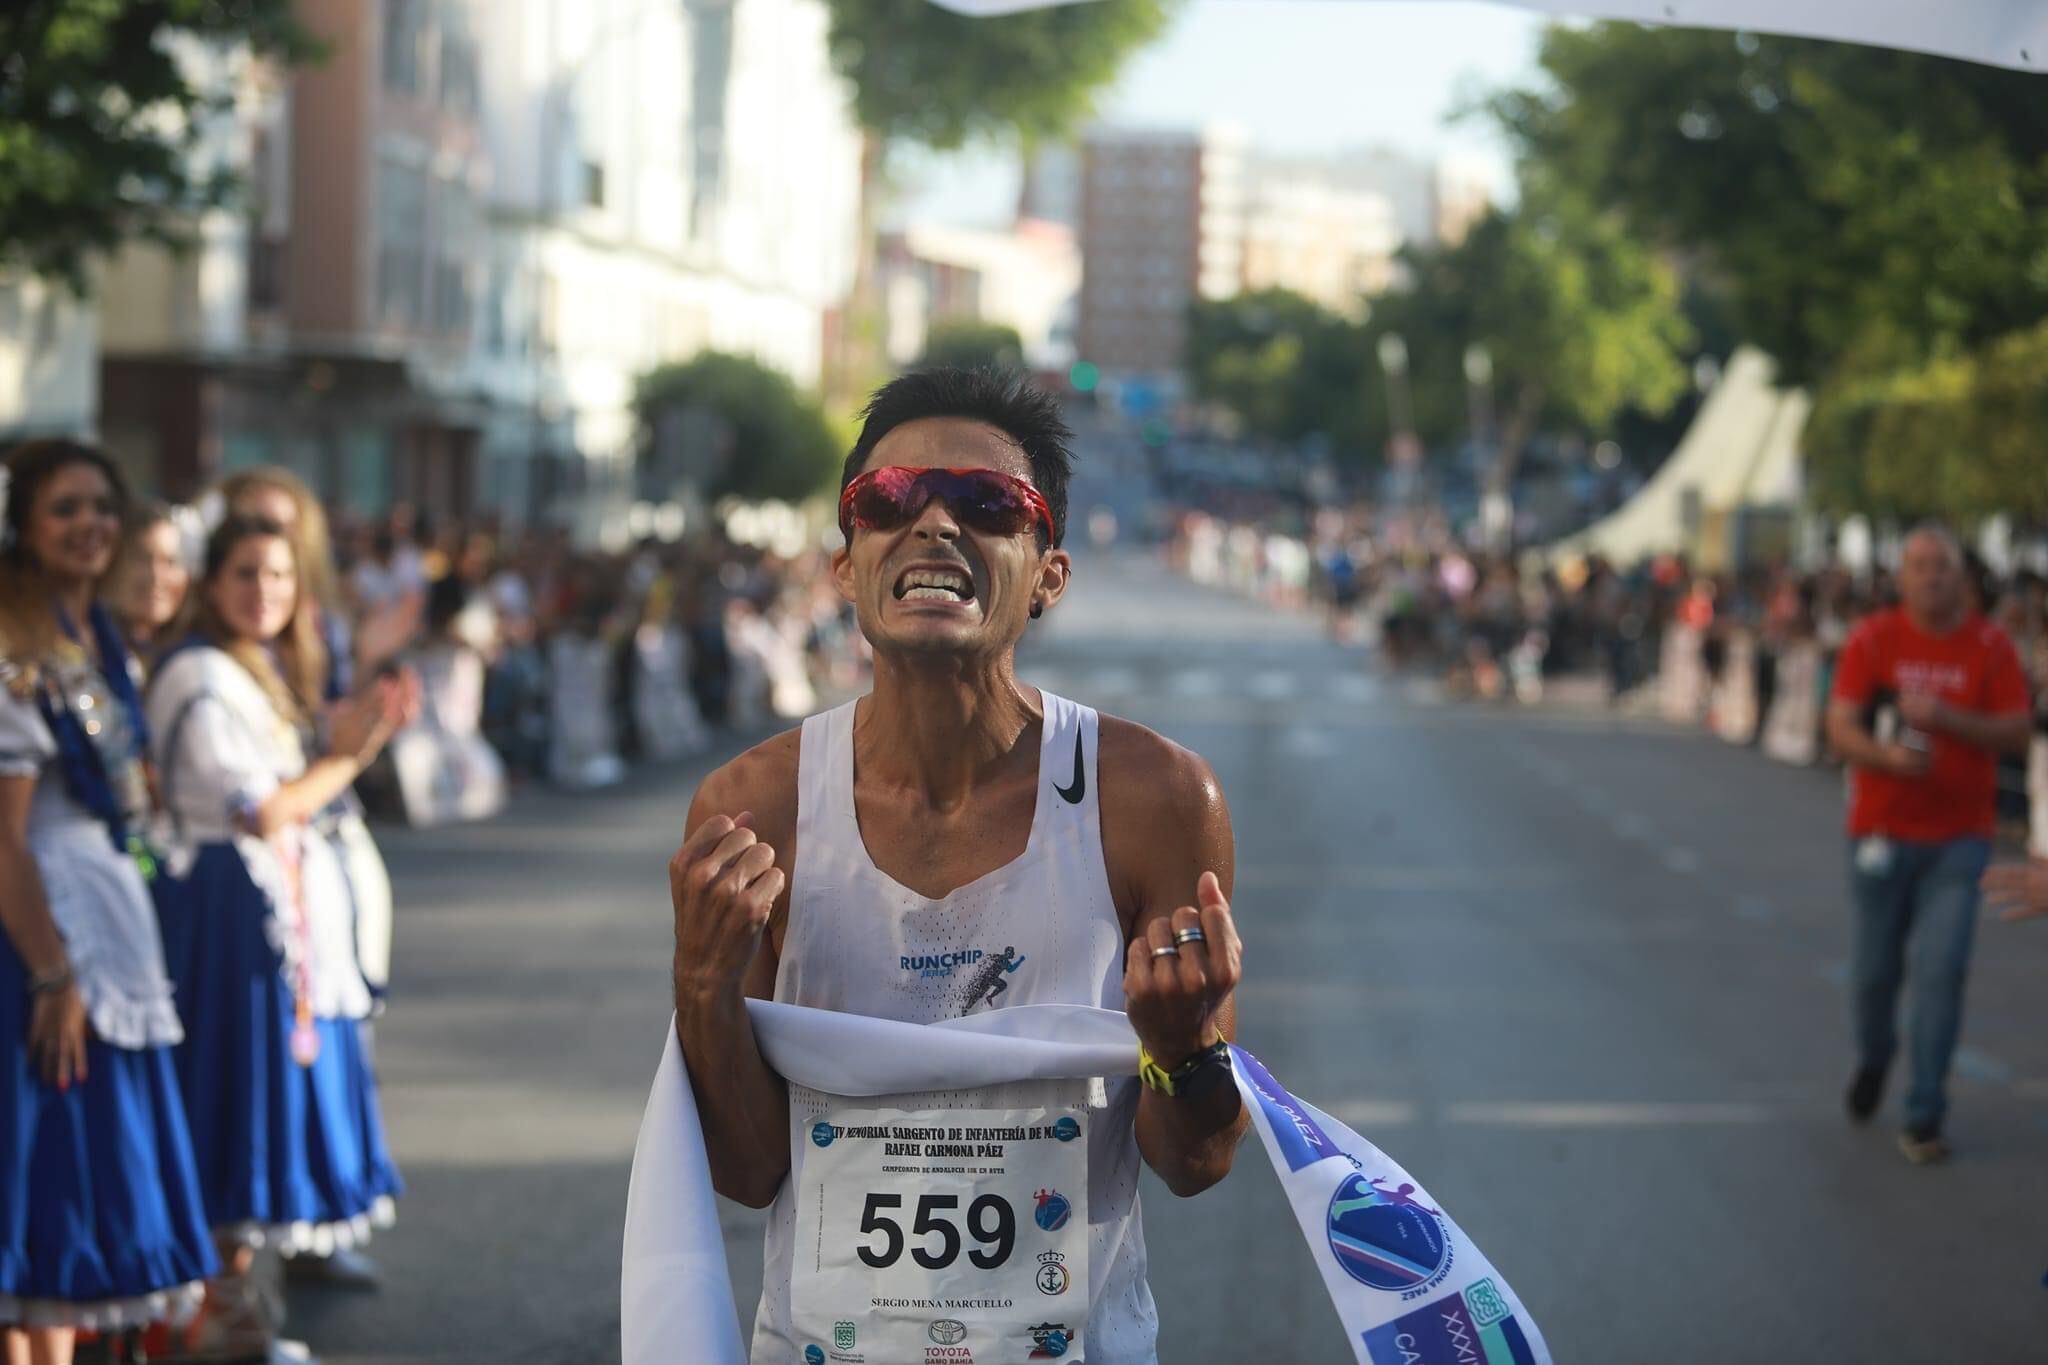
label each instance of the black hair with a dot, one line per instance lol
(145, 514)
(30, 465)
(1003, 399)
(446, 598)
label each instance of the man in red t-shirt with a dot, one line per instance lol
(1927, 696)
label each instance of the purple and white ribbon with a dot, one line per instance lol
(1409, 1286)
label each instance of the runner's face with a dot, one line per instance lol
(1931, 575)
(1002, 575)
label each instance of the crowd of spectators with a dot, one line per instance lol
(1499, 627)
(196, 706)
(571, 662)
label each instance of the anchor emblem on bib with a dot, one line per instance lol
(1052, 1273)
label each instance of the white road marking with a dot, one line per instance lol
(1273, 685)
(1628, 825)
(1113, 682)
(1755, 908)
(1625, 1114)
(1354, 687)
(1307, 741)
(1981, 1067)
(1372, 1113)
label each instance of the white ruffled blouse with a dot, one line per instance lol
(96, 894)
(221, 748)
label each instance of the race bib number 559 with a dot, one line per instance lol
(956, 1235)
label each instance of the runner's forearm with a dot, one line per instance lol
(742, 1103)
(2006, 734)
(1190, 1142)
(1854, 743)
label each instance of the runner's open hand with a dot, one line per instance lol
(1172, 998)
(2018, 890)
(722, 882)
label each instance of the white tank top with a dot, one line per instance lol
(859, 942)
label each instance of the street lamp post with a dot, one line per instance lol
(1479, 391)
(1393, 353)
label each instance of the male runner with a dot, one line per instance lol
(955, 842)
(1926, 697)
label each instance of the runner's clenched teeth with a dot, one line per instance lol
(942, 585)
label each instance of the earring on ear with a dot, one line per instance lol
(1037, 610)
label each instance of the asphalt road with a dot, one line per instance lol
(1583, 976)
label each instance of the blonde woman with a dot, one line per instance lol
(282, 1104)
(280, 496)
(101, 1224)
(146, 590)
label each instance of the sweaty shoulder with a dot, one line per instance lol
(762, 780)
(1141, 769)
(1164, 820)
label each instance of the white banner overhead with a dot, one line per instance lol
(2012, 33)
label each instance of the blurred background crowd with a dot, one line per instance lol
(537, 659)
(1747, 651)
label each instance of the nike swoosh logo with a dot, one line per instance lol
(1073, 794)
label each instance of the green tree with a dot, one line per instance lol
(99, 120)
(1283, 364)
(777, 440)
(1834, 192)
(1962, 437)
(1580, 324)
(1579, 321)
(925, 74)
(970, 343)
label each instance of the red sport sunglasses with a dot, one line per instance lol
(985, 500)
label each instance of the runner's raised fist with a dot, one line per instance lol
(1172, 997)
(723, 882)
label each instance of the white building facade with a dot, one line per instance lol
(666, 178)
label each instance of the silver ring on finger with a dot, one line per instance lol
(1192, 934)
(1169, 950)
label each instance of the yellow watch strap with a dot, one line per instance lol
(1153, 1074)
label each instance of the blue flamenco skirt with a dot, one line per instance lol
(290, 1156)
(101, 1224)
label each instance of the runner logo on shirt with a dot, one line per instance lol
(987, 982)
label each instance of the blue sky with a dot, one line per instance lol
(1297, 75)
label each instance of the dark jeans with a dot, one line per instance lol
(1918, 909)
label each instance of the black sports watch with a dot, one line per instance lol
(1197, 1076)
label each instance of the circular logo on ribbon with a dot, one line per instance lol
(1385, 1239)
